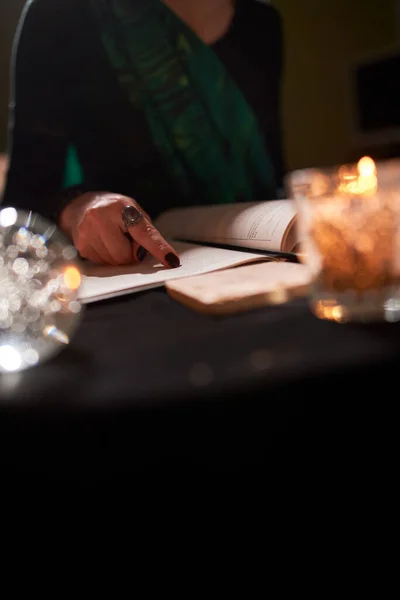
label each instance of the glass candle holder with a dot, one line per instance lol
(348, 225)
(40, 276)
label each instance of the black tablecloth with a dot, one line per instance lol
(148, 383)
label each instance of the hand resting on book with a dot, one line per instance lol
(93, 221)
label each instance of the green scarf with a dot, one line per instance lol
(201, 124)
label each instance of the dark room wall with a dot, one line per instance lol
(322, 38)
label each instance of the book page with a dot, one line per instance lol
(101, 282)
(268, 225)
(242, 288)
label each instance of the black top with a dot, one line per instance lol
(65, 91)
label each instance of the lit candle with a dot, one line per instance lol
(354, 232)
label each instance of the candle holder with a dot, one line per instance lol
(348, 224)
(40, 277)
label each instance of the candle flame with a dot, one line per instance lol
(364, 182)
(366, 167)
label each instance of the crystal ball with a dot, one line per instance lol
(40, 277)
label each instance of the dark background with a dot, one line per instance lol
(323, 39)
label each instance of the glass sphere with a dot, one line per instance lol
(40, 277)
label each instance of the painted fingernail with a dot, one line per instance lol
(173, 260)
(141, 253)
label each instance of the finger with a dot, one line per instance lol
(98, 232)
(102, 249)
(95, 243)
(116, 245)
(91, 254)
(139, 252)
(151, 239)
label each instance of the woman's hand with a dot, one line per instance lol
(93, 222)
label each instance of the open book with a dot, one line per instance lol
(207, 238)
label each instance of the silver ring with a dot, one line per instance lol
(131, 216)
